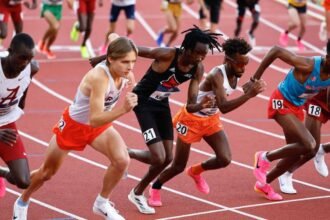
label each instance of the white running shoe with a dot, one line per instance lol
(20, 212)
(141, 203)
(107, 211)
(286, 185)
(252, 39)
(319, 162)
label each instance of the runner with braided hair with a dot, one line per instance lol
(201, 118)
(170, 68)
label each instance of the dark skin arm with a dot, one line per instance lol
(192, 106)
(162, 57)
(8, 136)
(303, 66)
(225, 105)
(34, 70)
(214, 82)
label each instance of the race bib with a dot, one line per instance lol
(61, 124)
(314, 110)
(181, 129)
(149, 135)
(277, 104)
(163, 92)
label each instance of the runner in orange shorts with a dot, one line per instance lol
(88, 122)
(200, 118)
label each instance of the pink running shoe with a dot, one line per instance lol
(267, 191)
(300, 46)
(201, 183)
(284, 38)
(154, 197)
(2, 187)
(261, 167)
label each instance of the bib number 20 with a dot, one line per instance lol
(181, 129)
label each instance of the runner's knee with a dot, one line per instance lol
(121, 164)
(224, 160)
(23, 182)
(309, 146)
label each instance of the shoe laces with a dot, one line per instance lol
(108, 205)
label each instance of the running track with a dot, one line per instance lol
(71, 193)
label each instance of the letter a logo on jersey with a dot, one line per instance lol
(12, 96)
(170, 82)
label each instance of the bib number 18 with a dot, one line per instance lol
(314, 110)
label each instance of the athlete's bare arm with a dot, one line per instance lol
(192, 106)
(225, 105)
(96, 83)
(303, 66)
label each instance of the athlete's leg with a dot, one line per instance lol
(161, 157)
(220, 145)
(111, 144)
(300, 143)
(18, 174)
(53, 28)
(294, 20)
(53, 161)
(314, 127)
(179, 163)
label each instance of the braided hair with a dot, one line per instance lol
(195, 35)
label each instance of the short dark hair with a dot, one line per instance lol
(236, 45)
(328, 47)
(21, 39)
(195, 34)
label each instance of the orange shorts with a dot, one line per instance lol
(192, 128)
(72, 135)
(278, 104)
(326, 5)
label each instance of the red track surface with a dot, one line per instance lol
(76, 185)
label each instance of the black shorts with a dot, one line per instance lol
(115, 10)
(155, 121)
(241, 7)
(214, 7)
(301, 10)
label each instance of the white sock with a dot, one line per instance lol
(100, 199)
(321, 149)
(264, 157)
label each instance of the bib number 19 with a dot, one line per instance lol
(277, 104)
